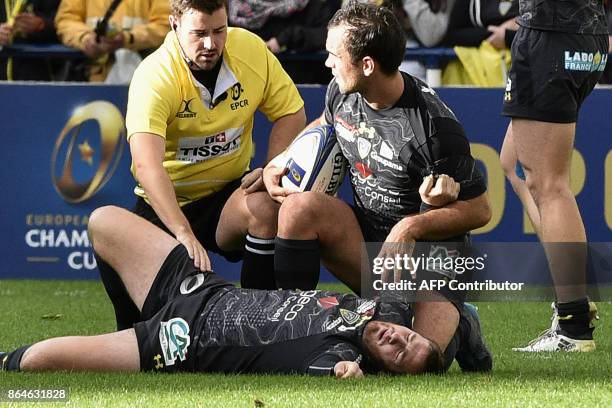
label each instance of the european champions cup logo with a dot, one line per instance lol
(96, 125)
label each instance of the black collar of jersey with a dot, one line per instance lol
(408, 99)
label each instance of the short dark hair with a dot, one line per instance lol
(434, 362)
(372, 31)
(178, 7)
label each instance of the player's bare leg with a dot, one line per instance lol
(509, 162)
(327, 229)
(544, 149)
(248, 223)
(134, 247)
(106, 352)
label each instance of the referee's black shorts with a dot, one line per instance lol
(203, 216)
(552, 73)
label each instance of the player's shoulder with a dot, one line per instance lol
(245, 47)
(160, 64)
(436, 107)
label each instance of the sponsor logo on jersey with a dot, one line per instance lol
(200, 148)
(426, 89)
(328, 302)
(344, 130)
(191, 283)
(504, 7)
(508, 93)
(385, 162)
(383, 197)
(367, 307)
(174, 340)
(386, 150)
(295, 173)
(158, 364)
(293, 305)
(363, 169)
(365, 131)
(236, 91)
(585, 61)
(186, 111)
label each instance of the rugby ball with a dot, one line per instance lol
(314, 162)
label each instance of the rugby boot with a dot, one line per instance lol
(552, 340)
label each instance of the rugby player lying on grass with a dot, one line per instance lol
(196, 321)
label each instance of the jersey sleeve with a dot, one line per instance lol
(148, 108)
(452, 156)
(281, 96)
(323, 364)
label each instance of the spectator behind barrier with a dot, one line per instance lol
(136, 27)
(297, 25)
(481, 32)
(474, 21)
(30, 22)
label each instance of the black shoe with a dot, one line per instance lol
(3, 360)
(473, 354)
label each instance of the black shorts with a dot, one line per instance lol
(172, 313)
(552, 73)
(203, 216)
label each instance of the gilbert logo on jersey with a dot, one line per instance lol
(185, 110)
(200, 148)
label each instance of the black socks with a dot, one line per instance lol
(574, 319)
(297, 263)
(12, 361)
(258, 263)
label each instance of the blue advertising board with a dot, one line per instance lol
(65, 154)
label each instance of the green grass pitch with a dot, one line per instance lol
(34, 310)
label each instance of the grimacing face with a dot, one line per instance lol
(202, 36)
(398, 348)
(348, 76)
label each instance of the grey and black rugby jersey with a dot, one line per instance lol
(569, 16)
(258, 331)
(391, 150)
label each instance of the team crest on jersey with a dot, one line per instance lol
(349, 320)
(174, 340)
(186, 111)
(349, 316)
(363, 147)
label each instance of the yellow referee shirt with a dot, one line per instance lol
(208, 144)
